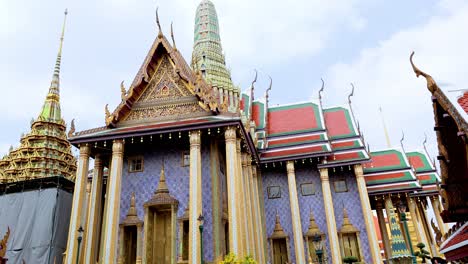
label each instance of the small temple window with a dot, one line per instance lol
(274, 192)
(135, 164)
(185, 158)
(340, 186)
(307, 189)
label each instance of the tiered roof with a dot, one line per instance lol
(393, 170)
(44, 151)
(305, 130)
(390, 171)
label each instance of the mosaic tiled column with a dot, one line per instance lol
(383, 229)
(335, 251)
(113, 205)
(295, 214)
(398, 243)
(231, 173)
(195, 199)
(367, 213)
(247, 205)
(436, 207)
(241, 202)
(78, 204)
(420, 234)
(94, 213)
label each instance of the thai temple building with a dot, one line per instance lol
(36, 185)
(187, 169)
(451, 126)
(196, 170)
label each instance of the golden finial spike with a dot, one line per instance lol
(387, 138)
(63, 31)
(172, 37)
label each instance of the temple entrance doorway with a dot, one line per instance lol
(280, 252)
(162, 235)
(130, 244)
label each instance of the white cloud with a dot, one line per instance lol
(383, 77)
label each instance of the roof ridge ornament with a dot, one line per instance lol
(252, 88)
(160, 35)
(351, 94)
(431, 84)
(321, 90)
(172, 37)
(123, 91)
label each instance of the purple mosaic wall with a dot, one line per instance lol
(351, 201)
(311, 202)
(278, 178)
(177, 179)
(315, 203)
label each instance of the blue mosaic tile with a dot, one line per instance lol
(177, 179)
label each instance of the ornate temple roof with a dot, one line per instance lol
(393, 170)
(44, 151)
(207, 55)
(305, 130)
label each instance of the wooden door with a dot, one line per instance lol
(130, 244)
(350, 245)
(280, 253)
(162, 240)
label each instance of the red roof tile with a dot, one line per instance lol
(292, 119)
(338, 122)
(463, 101)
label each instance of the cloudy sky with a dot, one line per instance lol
(297, 42)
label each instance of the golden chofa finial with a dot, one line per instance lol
(431, 84)
(123, 91)
(160, 35)
(72, 129)
(172, 37)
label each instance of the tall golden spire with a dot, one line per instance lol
(387, 138)
(51, 109)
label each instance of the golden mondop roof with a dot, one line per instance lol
(45, 150)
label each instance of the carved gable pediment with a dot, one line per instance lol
(165, 88)
(165, 97)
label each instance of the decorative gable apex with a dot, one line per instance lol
(164, 88)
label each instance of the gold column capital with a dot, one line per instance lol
(358, 171)
(85, 150)
(290, 167)
(117, 146)
(195, 137)
(230, 134)
(324, 174)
